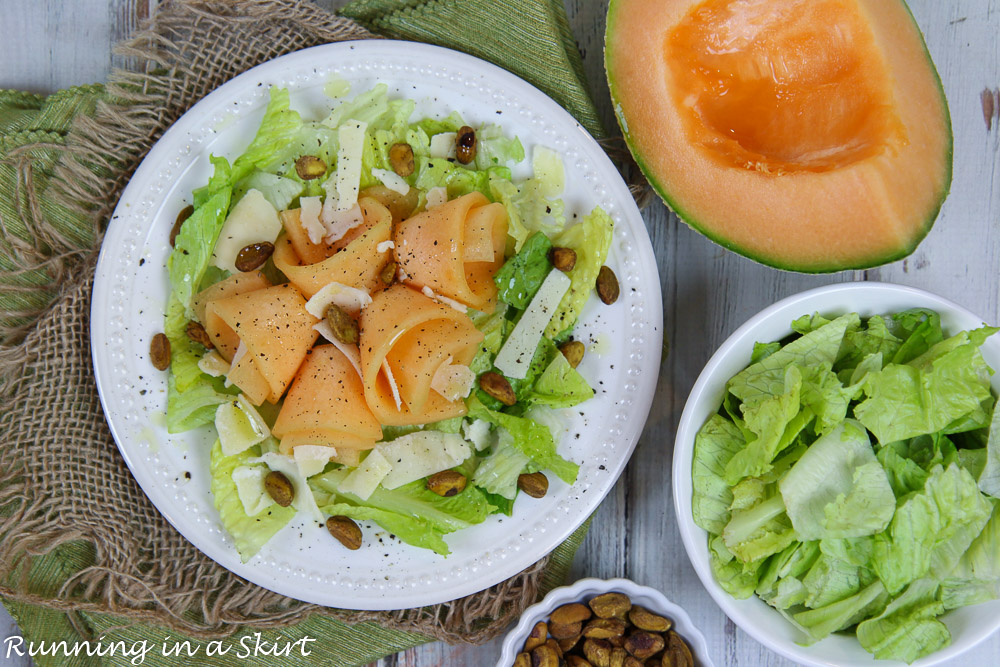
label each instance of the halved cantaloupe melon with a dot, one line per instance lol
(810, 135)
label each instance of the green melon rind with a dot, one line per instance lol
(877, 259)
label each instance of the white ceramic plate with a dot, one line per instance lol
(303, 561)
(968, 625)
(585, 589)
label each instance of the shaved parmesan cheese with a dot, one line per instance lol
(436, 196)
(431, 294)
(443, 145)
(453, 381)
(213, 364)
(312, 207)
(252, 220)
(478, 433)
(351, 136)
(311, 459)
(385, 246)
(240, 426)
(392, 180)
(352, 352)
(349, 298)
(303, 499)
(241, 350)
(515, 356)
(392, 384)
(249, 481)
(419, 454)
(330, 202)
(342, 221)
(367, 476)
(549, 171)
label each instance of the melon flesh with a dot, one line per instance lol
(811, 135)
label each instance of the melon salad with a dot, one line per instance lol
(377, 320)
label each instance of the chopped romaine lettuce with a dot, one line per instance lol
(249, 533)
(838, 489)
(559, 386)
(520, 277)
(278, 130)
(716, 443)
(591, 240)
(196, 406)
(197, 236)
(498, 472)
(531, 438)
(837, 532)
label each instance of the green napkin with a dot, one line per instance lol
(528, 37)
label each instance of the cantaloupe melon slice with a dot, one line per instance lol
(811, 135)
(415, 334)
(246, 375)
(356, 265)
(276, 329)
(222, 336)
(327, 398)
(445, 248)
(238, 283)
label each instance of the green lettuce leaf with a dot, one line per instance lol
(822, 621)
(497, 473)
(520, 277)
(492, 326)
(736, 578)
(838, 489)
(278, 130)
(875, 338)
(761, 530)
(559, 386)
(458, 180)
(989, 478)
(494, 148)
(184, 352)
(249, 533)
(279, 192)
(716, 443)
(823, 393)
(197, 236)
(591, 239)
(816, 348)
(919, 329)
(832, 579)
(931, 529)
(412, 530)
(197, 405)
(768, 417)
(907, 630)
(787, 566)
(904, 474)
(763, 350)
(944, 384)
(531, 438)
(976, 578)
(414, 514)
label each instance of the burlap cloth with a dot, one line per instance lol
(83, 553)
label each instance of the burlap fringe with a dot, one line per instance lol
(188, 49)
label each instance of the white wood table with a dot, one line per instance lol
(707, 292)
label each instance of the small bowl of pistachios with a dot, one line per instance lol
(605, 623)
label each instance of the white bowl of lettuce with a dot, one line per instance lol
(808, 478)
